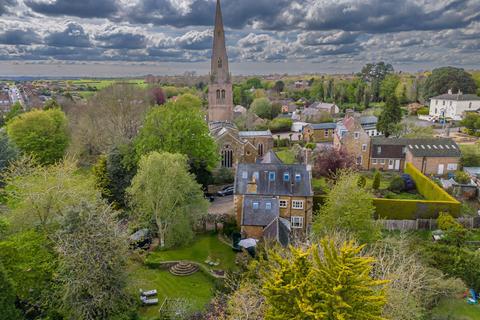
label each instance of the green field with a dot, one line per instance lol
(203, 247)
(197, 288)
(286, 155)
(456, 309)
(100, 84)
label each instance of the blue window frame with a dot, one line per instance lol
(255, 205)
(268, 206)
(271, 176)
(298, 177)
(286, 176)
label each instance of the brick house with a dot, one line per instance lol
(321, 132)
(351, 137)
(433, 156)
(387, 154)
(273, 200)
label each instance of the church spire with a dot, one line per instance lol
(220, 71)
(220, 91)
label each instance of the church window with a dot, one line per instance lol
(227, 157)
(220, 63)
(223, 94)
(218, 94)
(260, 150)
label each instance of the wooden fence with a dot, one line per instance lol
(426, 224)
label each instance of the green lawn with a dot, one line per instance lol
(286, 155)
(197, 288)
(204, 246)
(320, 186)
(456, 309)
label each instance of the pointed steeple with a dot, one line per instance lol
(220, 91)
(220, 71)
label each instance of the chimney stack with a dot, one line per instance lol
(450, 91)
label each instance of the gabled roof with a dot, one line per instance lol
(382, 141)
(457, 97)
(433, 148)
(368, 120)
(278, 186)
(261, 215)
(323, 126)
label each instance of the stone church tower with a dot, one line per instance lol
(220, 93)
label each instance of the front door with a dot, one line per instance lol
(441, 169)
(390, 164)
(397, 165)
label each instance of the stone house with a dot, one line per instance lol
(351, 137)
(369, 124)
(329, 108)
(273, 200)
(262, 140)
(433, 156)
(321, 132)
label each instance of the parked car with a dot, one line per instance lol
(227, 191)
(209, 197)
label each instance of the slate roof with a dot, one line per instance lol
(278, 229)
(368, 120)
(457, 97)
(433, 148)
(323, 126)
(247, 134)
(278, 187)
(261, 216)
(388, 148)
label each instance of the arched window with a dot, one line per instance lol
(218, 95)
(220, 63)
(260, 150)
(227, 157)
(223, 94)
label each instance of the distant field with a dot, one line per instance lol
(100, 84)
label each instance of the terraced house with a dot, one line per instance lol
(273, 200)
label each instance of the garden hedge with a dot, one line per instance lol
(437, 200)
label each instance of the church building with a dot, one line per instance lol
(235, 147)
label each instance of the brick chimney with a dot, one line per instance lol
(252, 185)
(349, 113)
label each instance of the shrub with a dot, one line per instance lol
(361, 182)
(223, 176)
(280, 125)
(281, 143)
(424, 111)
(462, 177)
(397, 185)
(311, 146)
(455, 233)
(376, 180)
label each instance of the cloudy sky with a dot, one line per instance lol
(262, 35)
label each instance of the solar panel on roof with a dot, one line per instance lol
(447, 146)
(423, 147)
(441, 147)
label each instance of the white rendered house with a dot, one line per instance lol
(453, 106)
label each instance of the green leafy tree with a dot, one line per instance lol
(31, 265)
(165, 193)
(279, 86)
(254, 83)
(7, 151)
(262, 107)
(51, 104)
(179, 127)
(389, 86)
(37, 196)
(43, 134)
(350, 208)
(443, 79)
(390, 117)
(8, 309)
(317, 91)
(470, 155)
(280, 125)
(326, 284)
(15, 110)
(93, 264)
(375, 73)
(471, 122)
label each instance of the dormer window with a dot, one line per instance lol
(286, 176)
(244, 175)
(255, 205)
(255, 175)
(379, 150)
(298, 177)
(271, 176)
(268, 206)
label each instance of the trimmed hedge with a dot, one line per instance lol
(438, 200)
(426, 187)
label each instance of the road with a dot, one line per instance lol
(222, 205)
